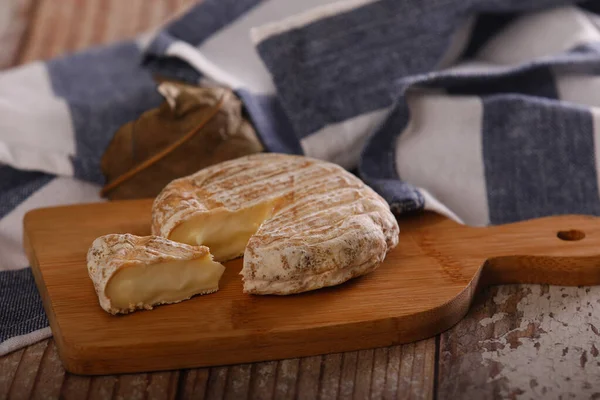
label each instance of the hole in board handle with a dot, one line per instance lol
(571, 235)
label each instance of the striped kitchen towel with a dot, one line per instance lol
(486, 111)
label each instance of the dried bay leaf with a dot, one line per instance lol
(194, 127)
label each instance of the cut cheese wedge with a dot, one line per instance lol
(139, 272)
(300, 223)
(224, 232)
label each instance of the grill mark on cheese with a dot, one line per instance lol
(289, 220)
(314, 202)
(232, 181)
(273, 186)
(232, 171)
(321, 232)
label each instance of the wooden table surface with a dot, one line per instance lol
(518, 341)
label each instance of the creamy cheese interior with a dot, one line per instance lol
(225, 233)
(166, 282)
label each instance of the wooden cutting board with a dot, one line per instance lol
(424, 287)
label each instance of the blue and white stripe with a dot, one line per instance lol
(487, 111)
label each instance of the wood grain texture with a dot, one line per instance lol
(61, 27)
(50, 376)
(15, 16)
(262, 385)
(24, 377)
(8, 369)
(525, 341)
(88, 26)
(423, 287)
(398, 372)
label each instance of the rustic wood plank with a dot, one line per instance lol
(309, 375)
(55, 41)
(120, 25)
(24, 378)
(364, 372)
(100, 23)
(332, 372)
(81, 27)
(194, 383)
(162, 385)
(287, 378)
(41, 30)
(102, 387)
(238, 382)
(390, 388)
(14, 22)
(131, 387)
(349, 361)
(426, 355)
(8, 369)
(217, 379)
(50, 375)
(408, 369)
(529, 341)
(62, 27)
(416, 370)
(380, 357)
(75, 387)
(262, 382)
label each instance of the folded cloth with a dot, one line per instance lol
(483, 110)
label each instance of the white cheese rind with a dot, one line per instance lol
(326, 226)
(132, 272)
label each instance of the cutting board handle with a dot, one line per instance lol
(557, 250)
